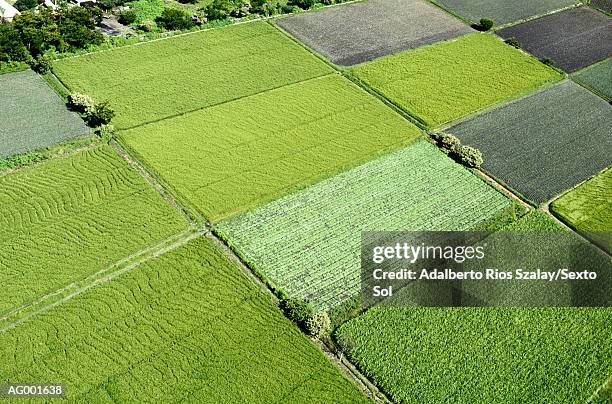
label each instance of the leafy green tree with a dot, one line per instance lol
(11, 47)
(174, 19)
(78, 27)
(24, 5)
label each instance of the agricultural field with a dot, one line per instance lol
(572, 39)
(511, 355)
(597, 78)
(308, 244)
(546, 143)
(72, 217)
(482, 355)
(604, 5)
(588, 208)
(184, 326)
(32, 116)
(392, 25)
(231, 157)
(446, 81)
(502, 11)
(171, 77)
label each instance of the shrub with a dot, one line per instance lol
(80, 103)
(106, 132)
(450, 142)
(512, 41)
(222, 9)
(268, 7)
(173, 19)
(318, 324)
(345, 344)
(24, 5)
(547, 61)
(147, 26)
(470, 156)
(110, 4)
(127, 17)
(188, 1)
(300, 311)
(41, 64)
(484, 24)
(100, 114)
(303, 4)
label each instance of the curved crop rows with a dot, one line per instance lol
(71, 217)
(184, 326)
(308, 243)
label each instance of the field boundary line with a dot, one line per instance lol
(538, 16)
(231, 24)
(263, 284)
(192, 111)
(548, 84)
(344, 72)
(155, 184)
(102, 276)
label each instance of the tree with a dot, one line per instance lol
(127, 17)
(11, 47)
(25, 5)
(78, 27)
(174, 19)
(484, 24)
(222, 9)
(101, 114)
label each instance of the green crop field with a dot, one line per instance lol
(32, 116)
(449, 80)
(186, 326)
(482, 355)
(71, 217)
(588, 208)
(598, 79)
(308, 244)
(231, 157)
(170, 77)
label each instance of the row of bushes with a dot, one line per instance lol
(466, 155)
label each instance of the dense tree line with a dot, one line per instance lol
(32, 34)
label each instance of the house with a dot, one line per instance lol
(7, 12)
